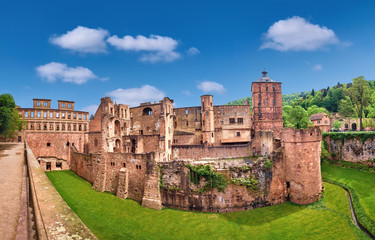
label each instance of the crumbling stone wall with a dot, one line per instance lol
(196, 152)
(103, 170)
(178, 191)
(352, 150)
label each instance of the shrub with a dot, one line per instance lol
(207, 172)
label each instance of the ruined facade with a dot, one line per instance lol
(149, 153)
(51, 132)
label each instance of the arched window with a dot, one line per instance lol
(147, 112)
(117, 127)
(96, 142)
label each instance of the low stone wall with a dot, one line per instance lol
(352, 149)
(54, 219)
(197, 152)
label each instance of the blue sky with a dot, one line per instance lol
(137, 51)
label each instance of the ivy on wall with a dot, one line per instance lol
(342, 136)
(208, 173)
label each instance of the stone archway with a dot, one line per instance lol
(354, 127)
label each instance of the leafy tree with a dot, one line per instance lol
(360, 94)
(298, 118)
(337, 124)
(315, 109)
(10, 121)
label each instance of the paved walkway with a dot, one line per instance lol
(11, 163)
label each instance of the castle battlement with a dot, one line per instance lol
(291, 135)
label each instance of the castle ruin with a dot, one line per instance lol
(151, 152)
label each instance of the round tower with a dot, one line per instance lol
(303, 177)
(208, 127)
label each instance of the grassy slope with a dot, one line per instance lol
(363, 183)
(112, 218)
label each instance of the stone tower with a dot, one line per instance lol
(303, 177)
(208, 127)
(267, 105)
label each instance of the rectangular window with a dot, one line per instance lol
(80, 117)
(232, 120)
(38, 104)
(38, 114)
(75, 116)
(26, 114)
(62, 105)
(45, 115)
(68, 115)
(45, 104)
(84, 117)
(50, 115)
(32, 114)
(187, 123)
(235, 110)
(63, 115)
(57, 115)
(240, 120)
(238, 134)
(186, 111)
(69, 105)
(48, 144)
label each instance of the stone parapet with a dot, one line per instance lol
(54, 218)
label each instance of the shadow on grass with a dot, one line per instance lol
(261, 216)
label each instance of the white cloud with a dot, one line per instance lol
(161, 48)
(297, 34)
(192, 51)
(317, 67)
(54, 70)
(91, 109)
(208, 86)
(82, 39)
(135, 96)
(186, 92)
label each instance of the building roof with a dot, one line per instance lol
(317, 116)
(265, 78)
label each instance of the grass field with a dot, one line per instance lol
(362, 184)
(109, 217)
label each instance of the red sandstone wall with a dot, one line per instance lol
(196, 152)
(179, 192)
(92, 166)
(58, 143)
(302, 158)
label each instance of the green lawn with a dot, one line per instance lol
(361, 183)
(109, 217)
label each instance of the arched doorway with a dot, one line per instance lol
(354, 127)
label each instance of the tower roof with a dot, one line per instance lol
(265, 78)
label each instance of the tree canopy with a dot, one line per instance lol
(10, 121)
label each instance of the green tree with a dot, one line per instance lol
(10, 121)
(315, 109)
(298, 117)
(337, 124)
(360, 94)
